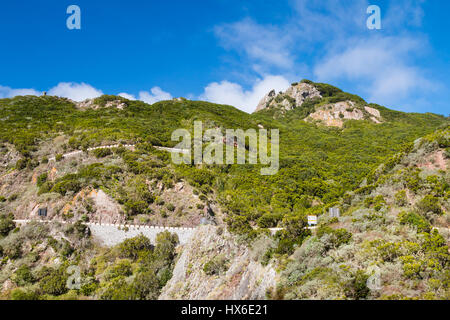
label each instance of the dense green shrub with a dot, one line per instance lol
(23, 276)
(357, 288)
(294, 232)
(45, 188)
(41, 179)
(22, 294)
(6, 224)
(378, 202)
(400, 198)
(166, 243)
(415, 220)
(338, 236)
(65, 186)
(429, 204)
(55, 283)
(131, 248)
(79, 229)
(102, 153)
(133, 208)
(146, 286)
(121, 268)
(269, 220)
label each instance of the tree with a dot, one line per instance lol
(131, 248)
(166, 243)
(55, 283)
(6, 224)
(357, 288)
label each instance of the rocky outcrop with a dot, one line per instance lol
(333, 115)
(90, 104)
(373, 112)
(238, 275)
(292, 98)
(265, 102)
(8, 156)
(324, 109)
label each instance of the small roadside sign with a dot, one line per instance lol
(335, 212)
(312, 220)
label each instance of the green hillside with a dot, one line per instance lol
(354, 167)
(317, 163)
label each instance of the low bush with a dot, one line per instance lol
(400, 198)
(6, 224)
(216, 265)
(170, 207)
(55, 283)
(357, 287)
(415, 220)
(429, 204)
(23, 276)
(102, 153)
(41, 179)
(338, 237)
(22, 295)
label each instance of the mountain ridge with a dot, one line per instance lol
(320, 103)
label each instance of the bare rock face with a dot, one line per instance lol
(264, 103)
(373, 112)
(239, 278)
(333, 115)
(301, 92)
(90, 104)
(7, 286)
(107, 210)
(9, 156)
(292, 98)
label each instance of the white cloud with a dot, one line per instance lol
(7, 92)
(264, 45)
(379, 66)
(127, 96)
(75, 91)
(404, 13)
(156, 94)
(327, 20)
(83, 91)
(233, 94)
(385, 66)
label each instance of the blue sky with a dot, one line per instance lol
(228, 51)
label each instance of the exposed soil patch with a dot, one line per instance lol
(435, 161)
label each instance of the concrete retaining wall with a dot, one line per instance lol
(112, 234)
